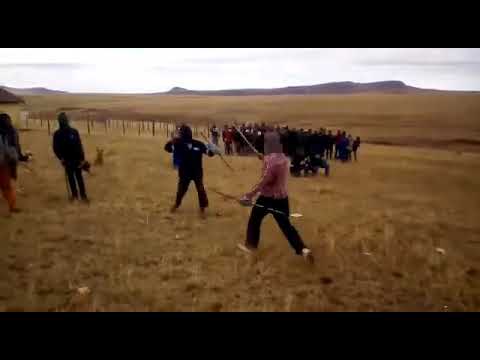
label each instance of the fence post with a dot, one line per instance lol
(139, 129)
(88, 122)
(153, 127)
(123, 125)
(48, 122)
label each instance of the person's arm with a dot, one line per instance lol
(57, 148)
(16, 144)
(169, 147)
(80, 147)
(210, 149)
(268, 177)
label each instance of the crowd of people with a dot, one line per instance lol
(308, 150)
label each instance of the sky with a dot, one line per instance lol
(147, 70)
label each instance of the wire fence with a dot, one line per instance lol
(96, 124)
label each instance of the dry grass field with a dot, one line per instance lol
(445, 120)
(375, 226)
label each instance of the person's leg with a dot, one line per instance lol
(182, 188)
(286, 226)
(70, 171)
(326, 166)
(81, 184)
(8, 188)
(202, 194)
(254, 223)
(355, 154)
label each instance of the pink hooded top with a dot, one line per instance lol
(275, 171)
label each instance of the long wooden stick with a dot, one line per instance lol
(230, 197)
(248, 143)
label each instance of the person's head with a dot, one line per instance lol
(272, 143)
(63, 120)
(5, 122)
(344, 133)
(358, 138)
(329, 132)
(185, 133)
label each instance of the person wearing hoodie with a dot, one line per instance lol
(273, 194)
(355, 146)
(68, 148)
(191, 152)
(10, 155)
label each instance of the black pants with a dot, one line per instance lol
(337, 151)
(74, 175)
(283, 221)
(355, 154)
(228, 149)
(329, 153)
(183, 184)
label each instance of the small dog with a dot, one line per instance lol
(99, 159)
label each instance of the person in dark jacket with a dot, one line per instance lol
(330, 141)
(11, 154)
(67, 146)
(191, 152)
(355, 146)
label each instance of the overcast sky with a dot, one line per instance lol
(153, 70)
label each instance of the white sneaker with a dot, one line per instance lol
(244, 248)
(308, 256)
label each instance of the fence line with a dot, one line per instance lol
(88, 126)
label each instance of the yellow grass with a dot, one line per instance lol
(401, 118)
(374, 227)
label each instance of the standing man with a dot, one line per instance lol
(191, 152)
(227, 137)
(215, 134)
(68, 148)
(330, 143)
(10, 155)
(356, 145)
(272, 191)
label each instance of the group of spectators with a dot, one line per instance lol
(308, 149)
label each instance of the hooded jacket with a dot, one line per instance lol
(190, 152)
(273, 183)
(67, 144)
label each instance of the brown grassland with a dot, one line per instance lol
(375, 225)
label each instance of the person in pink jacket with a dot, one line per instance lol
(273, 198)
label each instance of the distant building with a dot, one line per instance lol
(13, 105)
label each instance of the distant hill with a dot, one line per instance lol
(32, 91)
(347, 87)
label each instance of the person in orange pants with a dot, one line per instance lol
(7, 186)
(11, 154)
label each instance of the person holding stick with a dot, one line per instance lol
(68, 148)
(10, 155)
(273, 194)
(190, 167)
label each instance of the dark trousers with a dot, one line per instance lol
(283, 221)
(183, 184)
(74, 176)
(228, 149)
(329, 153)
(355, 154)
(337, 151)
